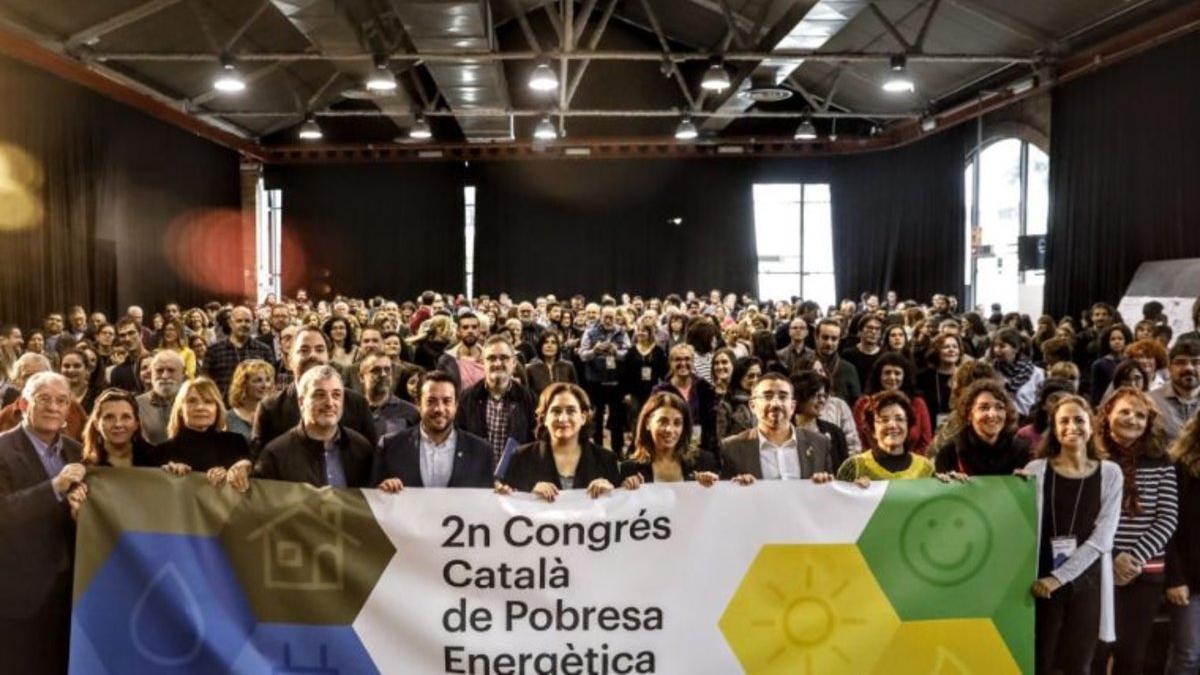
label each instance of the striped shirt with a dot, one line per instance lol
(1145, 535)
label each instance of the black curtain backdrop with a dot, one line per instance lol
(363, 230)
(1124, 174)
(607, 226)
(108, 190)
(899, 219)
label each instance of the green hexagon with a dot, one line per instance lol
(808, 609)
(959, 551)
(304, 554)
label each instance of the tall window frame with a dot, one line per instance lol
(793, 226)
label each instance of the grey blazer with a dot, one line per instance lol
(740, 454)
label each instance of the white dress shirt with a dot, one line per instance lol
(437, 460)
(779, 462)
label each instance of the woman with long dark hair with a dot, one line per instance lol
(894, 372)
(987, 443)
(1079, 503)
(113, 433)
(663, 451)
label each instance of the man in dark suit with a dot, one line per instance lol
(38, 467)
(280, 413)
(433, 453)
(775, 449)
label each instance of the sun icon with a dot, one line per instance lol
(808, 609)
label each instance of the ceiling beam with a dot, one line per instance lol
(784, 25)
(891, 27)
(237, 34)
(666, 53)
(1007, 22)
(580, 55)
(117, 22)
(597, 113)
(526, 29)
(919, 43)
(593, 41)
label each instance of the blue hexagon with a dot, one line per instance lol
(294, 649)
(162, 603)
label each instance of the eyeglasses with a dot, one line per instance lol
(1183, 361)
(782, 397)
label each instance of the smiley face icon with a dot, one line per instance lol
(946, 540)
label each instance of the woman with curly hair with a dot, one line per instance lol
(1130, 434)
(1183, 556)
(1151, 357)
(987, 444)
(1112, 342)
(894, 372)
(343, 336)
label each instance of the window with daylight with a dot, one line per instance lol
(1012, 181)
(793, 228)
(469, 237)
(268, 244)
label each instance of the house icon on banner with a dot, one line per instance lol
(304, 547)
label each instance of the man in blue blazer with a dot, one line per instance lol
(39, 465)
(433, 453)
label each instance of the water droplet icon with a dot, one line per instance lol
(166, 625)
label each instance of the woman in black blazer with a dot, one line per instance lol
(662, 446)
(561, 458)
(549, 367)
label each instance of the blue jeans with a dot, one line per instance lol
(1184, 656)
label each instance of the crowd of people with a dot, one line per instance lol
(548, 395)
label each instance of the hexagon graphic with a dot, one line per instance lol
(291, 649)
(161, 603)
(306, 555)
(806, 609)
(960, 551)
(947, 647)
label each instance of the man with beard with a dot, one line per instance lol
(463, 362)
(1179, 399)
(531, 332)
(223, 357)
(154, 406)
(319, 450)
(775, 449)
(390, 413)
(497, 408)
(843, 378)
(701, 398)
(796, 352)
(603, 348)
(280, 412)
(433, 453)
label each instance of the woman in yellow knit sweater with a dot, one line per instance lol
(890, 417)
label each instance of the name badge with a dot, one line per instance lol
(646, 373)
(1061, 548)
(610, 362)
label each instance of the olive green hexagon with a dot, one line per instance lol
(304, 554)
(807, 609)
(959, 551)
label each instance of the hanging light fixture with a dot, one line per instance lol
(686, 131)
(806, 131)
(543, 78)
(381, 79)
(545, 131)
(420, 129)
(715, 78)
(310, 130)
(898, 81)
(228, 79)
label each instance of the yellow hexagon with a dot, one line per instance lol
(808, 609)
(947, 647)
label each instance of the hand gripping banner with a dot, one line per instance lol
(787, 578)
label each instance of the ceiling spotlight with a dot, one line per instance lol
(228, 79)
(381, 79)
(833, 136)
(310, 130)
(806, 131)
(543, 78)
(545, 131)
(898, 81)
(420, 130)
(715, 78)
(686, 131)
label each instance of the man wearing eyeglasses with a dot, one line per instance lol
(389, 412)
(775, 449)
(38, 466)
(497, 408)
(1179, 399)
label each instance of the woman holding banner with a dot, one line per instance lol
(662, 446)
(560, 458)
(197, 437)
(1079, 505)
(889, 415)
(113, 434)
